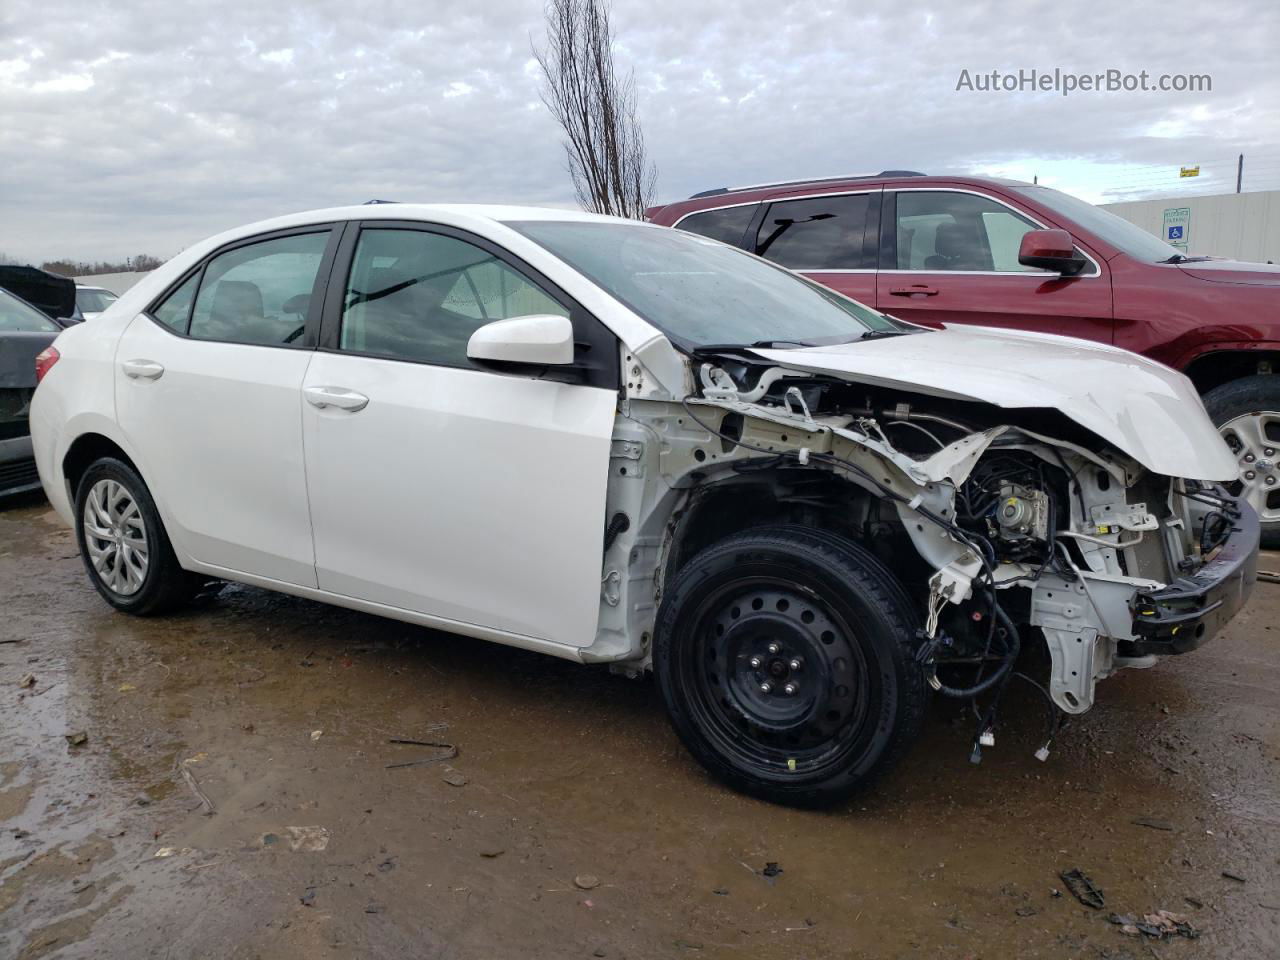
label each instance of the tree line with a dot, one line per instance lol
(85, 268)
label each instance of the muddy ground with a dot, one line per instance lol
(281, 712)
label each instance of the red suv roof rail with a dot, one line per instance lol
(789, 183)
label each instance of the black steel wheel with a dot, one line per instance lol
(784, 659)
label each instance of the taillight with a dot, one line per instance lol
(45, 360)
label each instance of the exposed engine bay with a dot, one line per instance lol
(1008, 528)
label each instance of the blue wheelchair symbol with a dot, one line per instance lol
(1175, 233)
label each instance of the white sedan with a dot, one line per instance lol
(616, 442)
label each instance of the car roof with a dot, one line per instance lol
(455, 213)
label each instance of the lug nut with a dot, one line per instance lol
(1249, 474)
(756, 663)
(766, 687)
(1271, 481)
(1269, 451)
(789, 689)
(795, 664)
(774, 648)
(1249, 458)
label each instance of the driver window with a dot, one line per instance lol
(414, 295)
(259, 293)
(940, 230)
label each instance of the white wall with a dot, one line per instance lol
(1242, 226)
(117, 283)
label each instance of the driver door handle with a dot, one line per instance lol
(340, 397)
(915, 290)
(142, 369)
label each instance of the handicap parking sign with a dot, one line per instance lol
(1177, 227)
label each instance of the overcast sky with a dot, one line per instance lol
(140, 126)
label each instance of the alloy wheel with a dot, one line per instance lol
(1255, 440)
(115, 537)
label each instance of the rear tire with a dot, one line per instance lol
(784, 658)
(1247, 413)
(124, 545)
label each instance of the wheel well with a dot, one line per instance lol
(1214, 369)
(84, 451)
(784, 495)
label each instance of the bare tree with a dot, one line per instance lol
(597, 109)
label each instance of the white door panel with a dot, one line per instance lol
(218, 429)
(462, 494)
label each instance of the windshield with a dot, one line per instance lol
(700, 291)
(1120, 233)
(16, 315)
(94, 301)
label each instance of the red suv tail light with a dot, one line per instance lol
(45, 360)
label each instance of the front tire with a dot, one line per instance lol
(124, 545)
(784, 658)
(1247, 413)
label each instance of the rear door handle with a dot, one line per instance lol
(916, 289)
(339, 397)
(142, 369)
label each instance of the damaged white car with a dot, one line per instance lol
(615, 442)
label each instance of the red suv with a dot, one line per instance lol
(1002, 253)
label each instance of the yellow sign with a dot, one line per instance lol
(1190, 171)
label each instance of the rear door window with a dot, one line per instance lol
(816, 233)
(259, 293)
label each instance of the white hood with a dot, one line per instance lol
(1144, 408)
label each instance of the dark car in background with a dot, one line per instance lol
(938, 250)
(51, 293)
(25, 333)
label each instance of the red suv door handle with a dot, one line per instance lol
(916, 289)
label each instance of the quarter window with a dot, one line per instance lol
(259, 293)
(414, 295)
(728, 225)
(939, 231)
(819, 233)
(175, 311)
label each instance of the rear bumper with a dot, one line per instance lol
(17, 466)
(1189, 611)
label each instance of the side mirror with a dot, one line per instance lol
(539, 340)
(1051, 250)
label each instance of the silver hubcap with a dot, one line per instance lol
(115, 537)
(1255, 440)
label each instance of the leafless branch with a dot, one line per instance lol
(604, 147)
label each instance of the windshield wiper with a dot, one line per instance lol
(1179, 258)
(762, 344)
(776, 344)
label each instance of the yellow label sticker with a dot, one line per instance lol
(791, 764)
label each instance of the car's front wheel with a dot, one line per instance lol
(1247, 412)
(784, 657)
(124, 545)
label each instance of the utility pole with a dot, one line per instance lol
(1239, 172)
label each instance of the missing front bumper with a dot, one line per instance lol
(1189, 611)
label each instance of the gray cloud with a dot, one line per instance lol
(142, 126)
